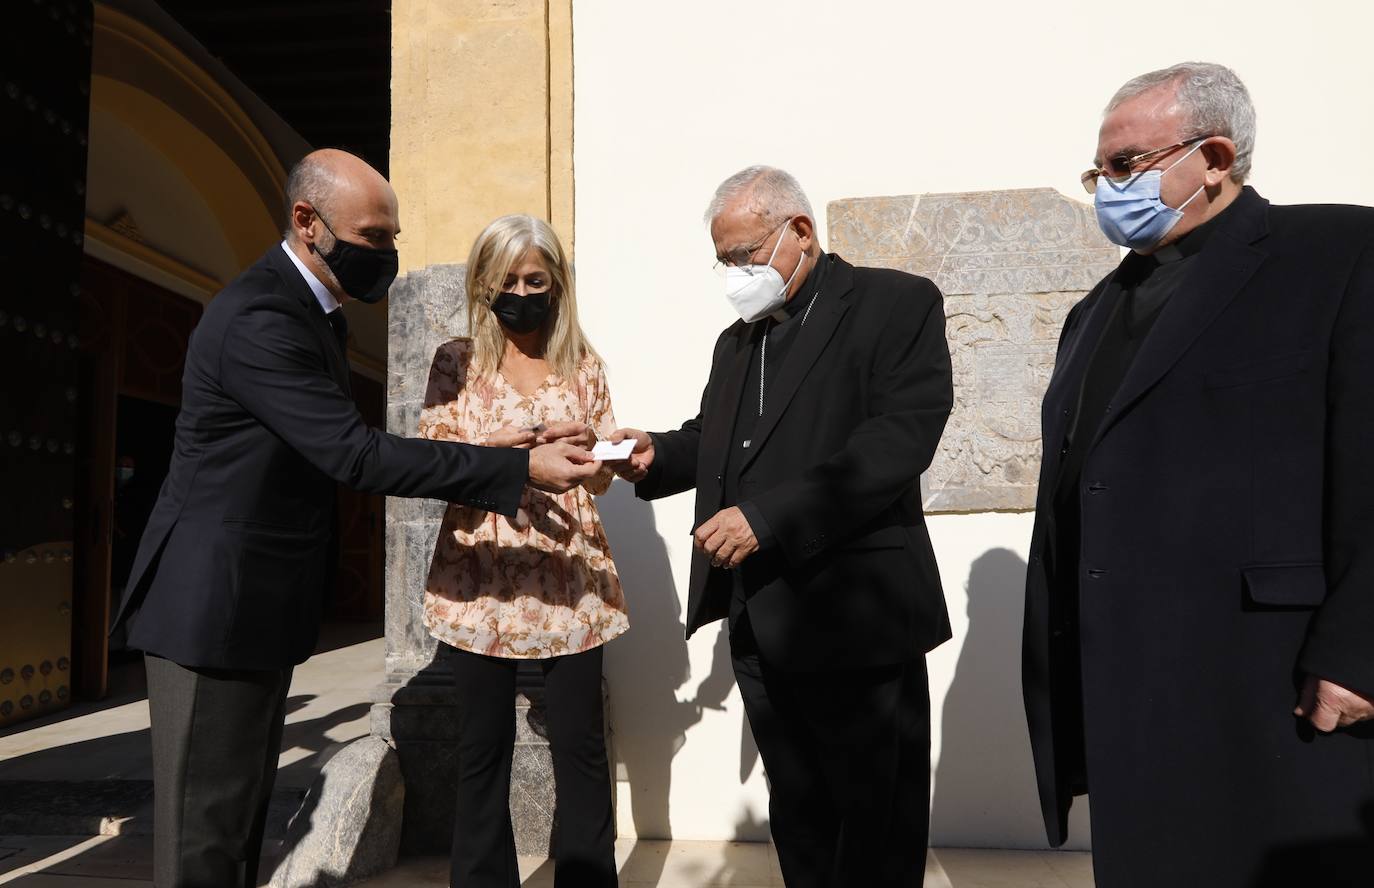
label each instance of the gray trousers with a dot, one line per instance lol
(216, 739)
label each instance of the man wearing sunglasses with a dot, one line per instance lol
(1199, 637)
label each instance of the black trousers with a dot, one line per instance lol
(483, 840)
(216, 738)
(847, 755)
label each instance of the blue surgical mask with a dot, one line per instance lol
(1130, 211)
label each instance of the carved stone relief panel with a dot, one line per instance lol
(1010, 264)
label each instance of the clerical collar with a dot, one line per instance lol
(802, 298)
(1191, 243)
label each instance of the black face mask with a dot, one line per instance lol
(365, 273)
(521, 314)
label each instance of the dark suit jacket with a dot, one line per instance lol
(239, 553)
(853, 418)
(1227, 546)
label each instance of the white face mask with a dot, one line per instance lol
(756, 291)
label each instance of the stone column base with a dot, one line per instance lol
(348, 827)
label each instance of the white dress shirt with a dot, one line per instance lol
(326, 298)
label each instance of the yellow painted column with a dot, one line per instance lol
(481, 105)
(481, 120)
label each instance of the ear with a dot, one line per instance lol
(806, 232)
(1220, 154)
(303, 221)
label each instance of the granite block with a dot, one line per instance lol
(349, 826)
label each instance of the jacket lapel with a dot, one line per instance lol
(1224, 266)
(1067, 380)
(723, 407)
(300, 290)
(815, 333)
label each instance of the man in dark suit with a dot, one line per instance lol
(824, 405)
(1199, 625)
(234, 569)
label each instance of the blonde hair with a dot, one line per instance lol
(497, 250)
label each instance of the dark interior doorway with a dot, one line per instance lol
(143, 453)
(136, 334)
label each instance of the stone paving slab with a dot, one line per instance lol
(103, 808)
(125, 862)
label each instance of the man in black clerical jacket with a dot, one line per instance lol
(825, 404)
(235, 565)
(1199, 624)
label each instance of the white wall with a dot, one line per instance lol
(871, 98)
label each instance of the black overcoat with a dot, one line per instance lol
(852, 420)
(1227, 548)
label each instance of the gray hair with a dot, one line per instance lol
(310, 181)
(1214, 103)
(774, 194)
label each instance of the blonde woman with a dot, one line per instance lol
(540, 586)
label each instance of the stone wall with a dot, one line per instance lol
(1011, 264)
(426, 308)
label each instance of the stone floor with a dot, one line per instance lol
(124, 862)
(108, 741)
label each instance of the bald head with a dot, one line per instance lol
(332, 183)
(333, 194)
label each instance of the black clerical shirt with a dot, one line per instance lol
(781, 328)
(1143, 286)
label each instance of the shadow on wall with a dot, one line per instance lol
(648, 666)
(985, 793)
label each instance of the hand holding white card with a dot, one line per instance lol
(608, 452)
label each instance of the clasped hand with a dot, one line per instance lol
(1329, 706)
(726, 538)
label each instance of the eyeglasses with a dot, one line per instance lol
(1121, 166)
(739, 257)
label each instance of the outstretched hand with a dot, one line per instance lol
(578, 433)
(510, 436)
(561, 466)
(637, 466)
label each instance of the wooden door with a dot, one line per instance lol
(46, 53)
(134, 336)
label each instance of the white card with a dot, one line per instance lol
(605, 450)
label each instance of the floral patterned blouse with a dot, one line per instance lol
(541, 584)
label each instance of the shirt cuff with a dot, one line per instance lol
(762, 532)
